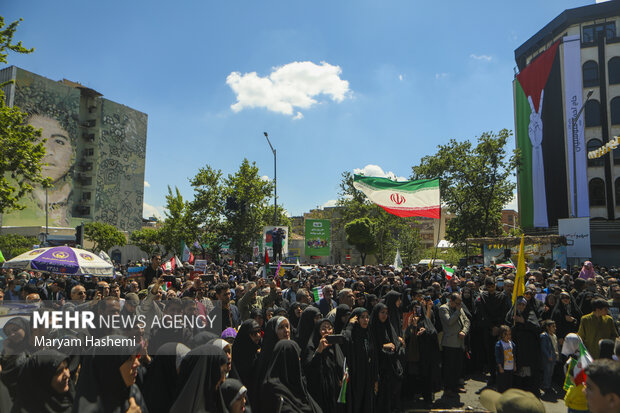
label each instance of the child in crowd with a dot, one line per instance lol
(549, 352)
(504, 358)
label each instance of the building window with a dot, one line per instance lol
(590, 73)
(593, 113)
(614, 107)
(590, 33)
(618, 192)
(614, 70)
(594, 144)
(597, 192)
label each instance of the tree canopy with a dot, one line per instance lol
(21, 149)
(474, 182)
(104, 236)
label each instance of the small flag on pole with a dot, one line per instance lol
(507, 264)
(398, 262)
(1, 257)
(342, 397)
(579, 371)
(448, 271)
(318, 293)
(519, 287)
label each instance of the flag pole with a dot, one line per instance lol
(438, 232)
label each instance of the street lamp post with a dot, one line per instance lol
(575, 138)
(275, 183)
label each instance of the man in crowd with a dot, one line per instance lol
(596, 326)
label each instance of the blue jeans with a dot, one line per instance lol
(547, 374)
(577, 411)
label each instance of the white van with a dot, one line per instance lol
(427, 261)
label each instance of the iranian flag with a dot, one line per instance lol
(584, 360)
(507, 264)
(317, 292)
(448, 271)
(403, 199)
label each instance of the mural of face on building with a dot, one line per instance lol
(59, 150)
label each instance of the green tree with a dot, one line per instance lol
(13, 245)
(361, 234)
(205, 213)
(474, 183)
(21, 151)
(246, 195)
(175, 228)
(104, 236)
(147, 239)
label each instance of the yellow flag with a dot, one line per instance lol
(519, 287)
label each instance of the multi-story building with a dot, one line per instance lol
(510, 220)
(95, 153)
(572, 63)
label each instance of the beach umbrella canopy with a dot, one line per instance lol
(62, 260)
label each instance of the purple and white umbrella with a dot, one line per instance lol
(62, 260)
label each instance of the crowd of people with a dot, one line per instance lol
(334, 338)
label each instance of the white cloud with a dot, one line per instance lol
(146, 184)
(265, 178)
(330, 203)
(376, 170)
(401, 77)
(294, 85)
(601, 1)
(441, 75)
(152, 211)
(484, 57)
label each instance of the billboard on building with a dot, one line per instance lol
(317, 237)
(268, 235)
(577, 233)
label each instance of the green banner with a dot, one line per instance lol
(318, 236)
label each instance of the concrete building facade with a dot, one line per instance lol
(95, 153)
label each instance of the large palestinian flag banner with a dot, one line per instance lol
(543, 195)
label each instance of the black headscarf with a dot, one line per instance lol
(24, 345)
(306, 325)
(101, 387)
(284, 380)
(201, 338)
(161, 381)
(341, 311)
(292, 318)
(390, 300)
(269, 342)
(200, 372)
(323, 370)
(362, 366)
(37, 375)
(606, 349)
(232, 390)
(245, 352)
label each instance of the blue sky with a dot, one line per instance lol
(338, 85)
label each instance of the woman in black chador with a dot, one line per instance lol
(107, 382)
(363, 373)
(285, 388)
(47, 373)
(388, 350)
(202, 372)
(323, 365)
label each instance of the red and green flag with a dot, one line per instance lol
(449, 271)
(404, 198)
(538, 90)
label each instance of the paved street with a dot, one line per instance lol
(470, 401)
